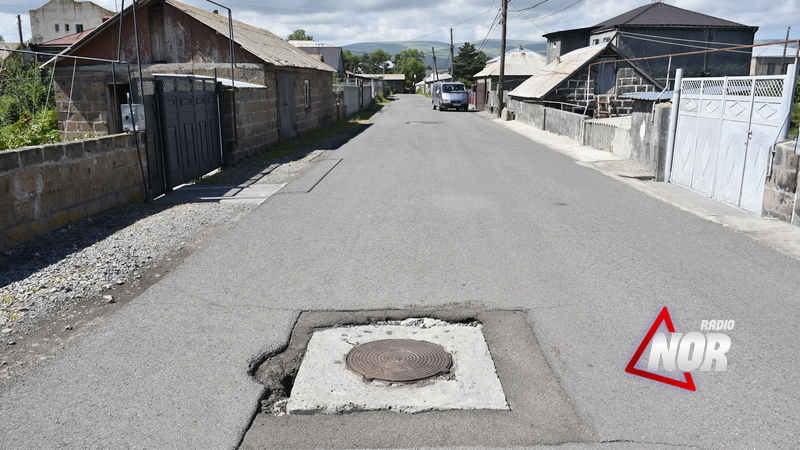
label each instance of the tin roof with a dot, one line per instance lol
(518, 63)
(658, 15)
(66, 41)
(664, 15)
(773, 51)
(552, 75)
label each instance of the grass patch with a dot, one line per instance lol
(327, 138)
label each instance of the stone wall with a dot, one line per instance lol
(256, 122)
(780, 192)
(47, 187)
(321, 109)
(87, 113)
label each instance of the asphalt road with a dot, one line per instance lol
(448, 212)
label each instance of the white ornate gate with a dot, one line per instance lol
(726, 128)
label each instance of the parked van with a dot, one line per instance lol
(450, 95)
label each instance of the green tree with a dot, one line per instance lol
(352, 62)
(377, 61)
(468, 62)
(300, 35)
(410, 62)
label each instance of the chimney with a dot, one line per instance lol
(216, 11)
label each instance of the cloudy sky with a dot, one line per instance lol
(351, 21)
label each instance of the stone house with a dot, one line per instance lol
(272, 90)
(595, 80)
(658, 29)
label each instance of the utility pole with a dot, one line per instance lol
(452, 61)
(785, 46)
(435, 70)
(19, 26)
(502, 60)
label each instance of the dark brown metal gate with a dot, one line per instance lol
(190, 126)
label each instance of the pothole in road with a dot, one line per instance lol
(409, 365)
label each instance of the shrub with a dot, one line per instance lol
(41, 128)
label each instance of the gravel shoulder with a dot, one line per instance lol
(56, 288)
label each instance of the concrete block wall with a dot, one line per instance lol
(87, 113)
(648, 136)
(610, 135)
(642, 137)
(351, 99)
(256, 122)
(47, 187)
(781, 196)
(322, 110)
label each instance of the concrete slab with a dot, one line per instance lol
(324, 384)
(190, 193)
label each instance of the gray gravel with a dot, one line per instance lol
(55, 288)
(47, 278)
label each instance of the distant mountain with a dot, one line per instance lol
(442, 49)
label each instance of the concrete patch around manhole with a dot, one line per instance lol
(325, 385)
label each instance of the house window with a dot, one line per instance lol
(66, 27)
(57, 28)
(79, 28)
(307, 92)
(606, 39)
(595, 41)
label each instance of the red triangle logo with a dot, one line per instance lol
(688, 382)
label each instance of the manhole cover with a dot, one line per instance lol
(398, 360)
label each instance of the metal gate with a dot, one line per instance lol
(724, 135)
(191, 133)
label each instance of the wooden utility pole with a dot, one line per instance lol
(452, 61)
(435, 70)
(19, 26)
(502, 60)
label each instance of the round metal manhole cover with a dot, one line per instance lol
(399, 360)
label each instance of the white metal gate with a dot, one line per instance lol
(725, 131)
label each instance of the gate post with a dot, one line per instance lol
(673, 122)
(788, 95)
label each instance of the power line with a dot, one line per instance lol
(682, 45)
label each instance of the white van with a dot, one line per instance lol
(450, 95)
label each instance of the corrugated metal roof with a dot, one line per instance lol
(774, 51)
(664, 15)
(261, 43)
(66, 40)
(518, 63)
(551, 76)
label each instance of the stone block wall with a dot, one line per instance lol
(47, 187)
(256, 122)
(322, 108)
(780, 192)
(87, 113)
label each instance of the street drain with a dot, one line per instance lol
(398, 360)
